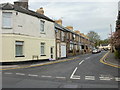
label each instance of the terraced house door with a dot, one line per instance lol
(63, 51)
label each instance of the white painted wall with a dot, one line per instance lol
(30, 25)
(0, 21)
(31, 48)
(0, 36)
(29, 29)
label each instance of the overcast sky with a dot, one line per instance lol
(83, 15)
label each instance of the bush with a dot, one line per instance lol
(117, 54)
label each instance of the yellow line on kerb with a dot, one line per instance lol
(40, 64)
(102, 61)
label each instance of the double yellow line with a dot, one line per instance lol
(41, 64)
(101, 60)
(104, 57)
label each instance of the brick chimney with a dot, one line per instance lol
(77, 32)
(59, 22)
(70, 28)
(40, 10)
(22, 3)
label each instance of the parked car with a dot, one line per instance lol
(94, 51)
(105, 49)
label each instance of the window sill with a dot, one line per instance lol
(42, 33)
(20, 56)
(6, 27)
(42, 55)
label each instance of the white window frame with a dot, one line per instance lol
(42, 26)
(62, 36)
(58, 34)
(71, 46)
(42, 53)
(9, 18)
(19, 43)
(67, 35)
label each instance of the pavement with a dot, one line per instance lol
(110, 60)
(35, 63)
(85, 71)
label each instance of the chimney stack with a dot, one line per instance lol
(70, 28)
(82, 34)
(77, 32)
(22, 3)
(59, 22)
(40, 10)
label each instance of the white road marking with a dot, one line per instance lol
(32, 75)
(46, 76)
(20, 74)
(73, 72)
(61, 77)
(117, 79)
(87, 57)
(81, 62)
(89, 77)
(74, 76)
(8, 73)
(105, 78)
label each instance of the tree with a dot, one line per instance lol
(105, 41)
(94, 37)
(116, 39)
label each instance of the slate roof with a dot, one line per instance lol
(65, 29)
(8, 6)
(61, 27)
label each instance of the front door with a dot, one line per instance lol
(63, 51)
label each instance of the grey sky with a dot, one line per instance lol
(83, 16)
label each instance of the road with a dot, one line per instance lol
(84, 72)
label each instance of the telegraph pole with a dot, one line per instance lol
(111, 38)
(111, 29)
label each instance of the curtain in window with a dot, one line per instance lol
(19, 48)
(42, 48)
(7, 20)
(42, 26)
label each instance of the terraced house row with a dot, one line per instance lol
(29, 35)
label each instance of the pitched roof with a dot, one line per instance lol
(61, 27)
(8, 6)
(65, 29)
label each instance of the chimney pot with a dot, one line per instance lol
(70, 28)
(59, 22)
(77, 31)
(40, 10)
